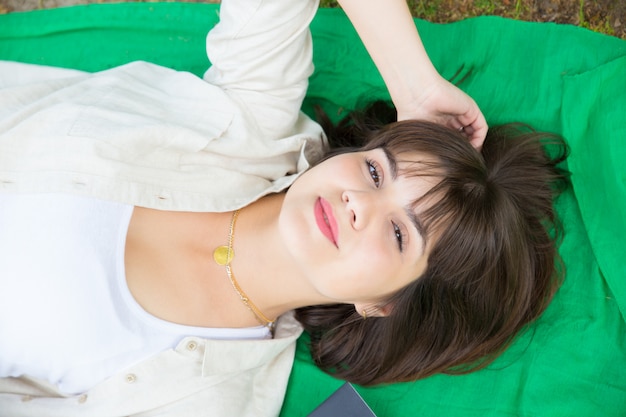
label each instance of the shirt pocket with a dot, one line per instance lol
(146, 126)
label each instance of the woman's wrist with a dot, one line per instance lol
(388, 32)
(411, 89)
(417, 90)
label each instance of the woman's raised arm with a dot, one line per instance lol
(416, 88)
(261, 54)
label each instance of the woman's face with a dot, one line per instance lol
(351, 225)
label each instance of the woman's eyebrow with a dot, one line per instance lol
(419, 226)
(392, 163)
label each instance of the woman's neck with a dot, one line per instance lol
(171, 273)
(262, 266)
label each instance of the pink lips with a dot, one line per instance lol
(325, 220)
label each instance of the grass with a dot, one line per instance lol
(604, 16)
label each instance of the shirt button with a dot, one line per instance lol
(82, 399)
(131, 378)
(192, 346)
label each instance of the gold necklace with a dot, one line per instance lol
(223, 255)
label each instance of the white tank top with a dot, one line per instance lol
(66, 314)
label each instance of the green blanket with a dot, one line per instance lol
(572, 362)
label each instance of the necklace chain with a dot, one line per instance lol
(223, 256)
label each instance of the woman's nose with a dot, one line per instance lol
(360, 206)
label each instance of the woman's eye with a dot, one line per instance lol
(399, 234)
(375, 172)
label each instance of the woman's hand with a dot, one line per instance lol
(444, 103)
(388, 31)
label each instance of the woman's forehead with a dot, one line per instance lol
(417, 163)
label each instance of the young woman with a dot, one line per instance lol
(150, 256)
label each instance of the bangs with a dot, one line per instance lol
(458, 170)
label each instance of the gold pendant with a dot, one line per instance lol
(223, 255)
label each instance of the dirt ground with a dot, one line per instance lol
(7, 6)
(605, 16)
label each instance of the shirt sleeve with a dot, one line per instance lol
(261, 55)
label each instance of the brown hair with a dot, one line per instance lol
(493, 269)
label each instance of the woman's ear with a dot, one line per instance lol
(373, 309)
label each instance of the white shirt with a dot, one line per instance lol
(146, 135)
(64, 254)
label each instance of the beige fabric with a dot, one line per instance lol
(149, 136)
(198, 378)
